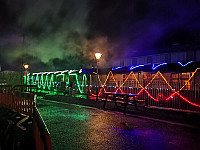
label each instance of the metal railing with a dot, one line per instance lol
(40, 132)
(160, 94)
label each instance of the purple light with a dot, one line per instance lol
(133, 67)
(116, 68)
(185, 64)
(154, 67)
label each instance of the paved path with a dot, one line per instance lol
(79, 127)
(15, 131)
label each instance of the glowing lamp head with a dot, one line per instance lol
(26, 66)
(98, 55)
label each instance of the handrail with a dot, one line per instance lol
(40, 132)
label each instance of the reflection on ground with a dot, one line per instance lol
(79, 127)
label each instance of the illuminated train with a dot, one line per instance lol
(164, 85)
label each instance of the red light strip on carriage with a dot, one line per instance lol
(186, 100)
(171, 96)
(144, 88)
(101, 84)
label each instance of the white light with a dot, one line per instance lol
(98, 55)
(80, 71)
(26, 66)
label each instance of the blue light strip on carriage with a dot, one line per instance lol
(185, 64)
(133, 67)
(116, 68)
(154, 67)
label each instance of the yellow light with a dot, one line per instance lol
(144, 88)
(26, 66)
(158, 73)
(98, 55)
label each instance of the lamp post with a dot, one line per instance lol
(26, 68)
(98, 56)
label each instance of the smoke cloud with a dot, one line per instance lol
(64, 34)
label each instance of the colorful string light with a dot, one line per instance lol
(116, 68)
(41, 83)
(133, 67)
(155, 67)
(185, 64)
(144, 88)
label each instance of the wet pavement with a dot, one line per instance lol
(15, 131)
(80, 127)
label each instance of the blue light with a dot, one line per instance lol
(154, 67)
(185, 64)
(133, 67)
(115, 68)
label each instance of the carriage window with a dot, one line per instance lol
(174, 76)
(185, 75)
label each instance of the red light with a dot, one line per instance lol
(143, 89)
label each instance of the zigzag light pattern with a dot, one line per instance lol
(144, 88)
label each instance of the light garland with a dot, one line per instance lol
(42, 79)
(155, 67)
(144, 88)
(42, 84)
(116, 68)
(185, 64)
(133, 67)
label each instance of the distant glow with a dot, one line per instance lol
(185, 64)
(133, 67)
(154, 67)
(26, 66)
(115, 68)
(98, 55)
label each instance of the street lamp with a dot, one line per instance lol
(98, 56)
(26, 68)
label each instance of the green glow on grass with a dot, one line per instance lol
(80, 116)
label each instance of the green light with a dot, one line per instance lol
(38, 81)
(44, 81)
(51, 84)
(79, 86)
(24, 79)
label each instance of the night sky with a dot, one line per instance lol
(63, 34)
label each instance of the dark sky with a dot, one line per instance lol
(61, 34)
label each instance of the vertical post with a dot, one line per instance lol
(98, 56)
(26, 76)
(97, 90)
(26, 68)
(195, 94)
